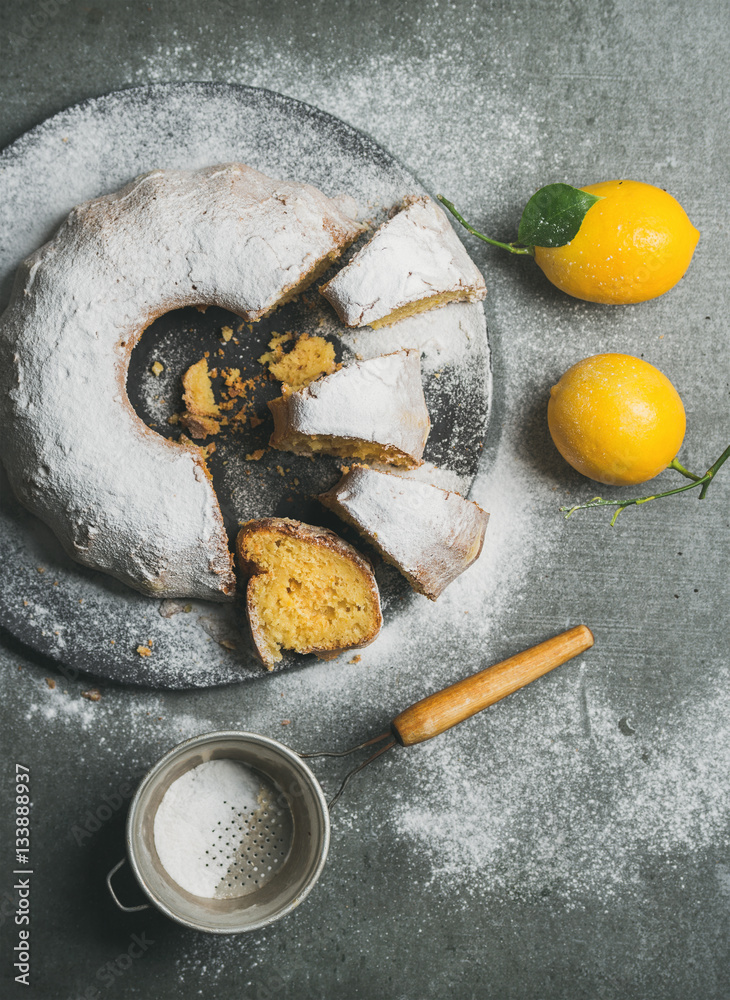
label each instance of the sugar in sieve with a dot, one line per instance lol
(267, 856)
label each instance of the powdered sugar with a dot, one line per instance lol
(214, 800)
(430, 535)
(445, 337)
(572, 811)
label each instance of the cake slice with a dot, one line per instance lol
(414, 262)
(308, 590)
(373, 410)
(427, 533)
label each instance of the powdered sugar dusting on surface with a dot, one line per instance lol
(567, 813)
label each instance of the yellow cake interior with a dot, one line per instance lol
(202, 413)
(308, 597)
(422, 305)
(310, 358)
(198, 391)
(344, 447)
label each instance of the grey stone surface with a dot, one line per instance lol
(573, 843)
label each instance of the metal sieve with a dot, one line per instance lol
(265, 874)
(267, 859)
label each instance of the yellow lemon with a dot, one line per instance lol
(633, 245)
(616, 419)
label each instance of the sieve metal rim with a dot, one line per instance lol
(190, 745)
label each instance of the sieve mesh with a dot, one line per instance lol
(223, 829)
(250, 848)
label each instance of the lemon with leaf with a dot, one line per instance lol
(616, 243)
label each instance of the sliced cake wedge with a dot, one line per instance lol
(429, 534)
(307, 590)
(414, 262)
(373, 410)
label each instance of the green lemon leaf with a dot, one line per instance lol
(553, 216)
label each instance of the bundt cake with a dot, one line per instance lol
(373, 410)
(415, 261)
(121, 498)
(429, 534)
(307, 591)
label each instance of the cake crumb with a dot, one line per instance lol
(355, 659)
(309, 359)
(256, 456)
(50, 682)
(276, 351)
(93, 694)
(226, 334)
(200, 427)
(144, 650)
(157, 369)
(286, 722)
(202, 414)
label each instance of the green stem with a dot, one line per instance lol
(701, 481)
(712, 471)
(529, 251)
(674, 464)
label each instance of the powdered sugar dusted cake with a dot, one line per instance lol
(121, 498)
(429, 534)
(374, 410)
(414, 262)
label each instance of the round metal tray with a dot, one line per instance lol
(86, 619)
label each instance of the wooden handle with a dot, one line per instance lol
(444, 709)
